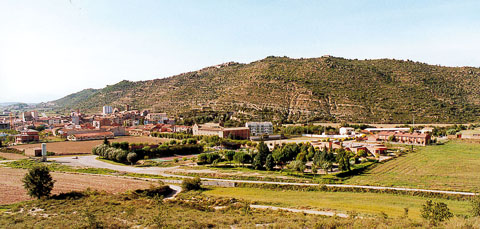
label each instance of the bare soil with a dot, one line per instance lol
(12, 156)
(85, 147)
(11, 186)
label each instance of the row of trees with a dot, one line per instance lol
(115, 154)
(124, 152)
(210, 141)
(294, 156)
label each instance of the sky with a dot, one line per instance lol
(52, 48)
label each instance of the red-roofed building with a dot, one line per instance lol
(406, 138)
(27, 136)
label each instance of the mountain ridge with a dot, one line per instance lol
(295, 90)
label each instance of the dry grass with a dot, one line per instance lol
(85, 147)
(11, 186)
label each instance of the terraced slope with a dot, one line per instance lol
(322, 89)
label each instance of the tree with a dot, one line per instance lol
(362, 153)
(229, 155)
(297, 165)
(257, 162)
(38, 182)
(192, 184)
(436, 212)
(241, 157)
(280, 156)
(105, 141)
(132, 158)
(263, 151)
(269, 163)
(343, 159)
(202, 158)
(302, 157)
(1, 144)
(311, 153)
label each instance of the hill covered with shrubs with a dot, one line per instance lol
(296, 90)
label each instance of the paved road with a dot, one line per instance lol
(90, 161)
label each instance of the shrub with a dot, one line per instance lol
(192, 184)
(475, 202)
(132, 158)
(297, 165)
(121, 155)
(38, 182)
(436, 212)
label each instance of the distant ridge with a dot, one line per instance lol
(322, 89)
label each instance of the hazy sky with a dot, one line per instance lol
(52, 48)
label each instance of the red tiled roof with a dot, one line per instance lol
(93, 134)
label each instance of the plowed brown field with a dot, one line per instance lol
(11, 186)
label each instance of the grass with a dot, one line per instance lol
(234, 172)
(190, 210)
(109, 161)
(452, 166)
(364, 203)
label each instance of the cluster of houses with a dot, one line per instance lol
(400, 135)
(78, 127)
(112, 122)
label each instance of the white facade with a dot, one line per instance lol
(107, 110)
(260, 128)
(347, 131)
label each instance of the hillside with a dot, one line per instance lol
(320, 89)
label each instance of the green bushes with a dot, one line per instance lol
(189, 184)
(143, 151)
(436, 212)
(208, 158)
(132, 158)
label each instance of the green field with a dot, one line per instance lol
(340, 202)
(453, 166)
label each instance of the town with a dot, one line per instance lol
(239, 114)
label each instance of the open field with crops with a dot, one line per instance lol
(85, 147)
(453, 166)
(11, 185)
(369, 204)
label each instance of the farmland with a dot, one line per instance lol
(85, 147)
(11, 156)
(340, 202)
(453, 166)
(11, 186)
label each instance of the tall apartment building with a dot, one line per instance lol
(260, 128)
(107, 110)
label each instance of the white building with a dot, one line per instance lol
(107, 110)
(260, 128)
(347, 131)
(154, 118)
